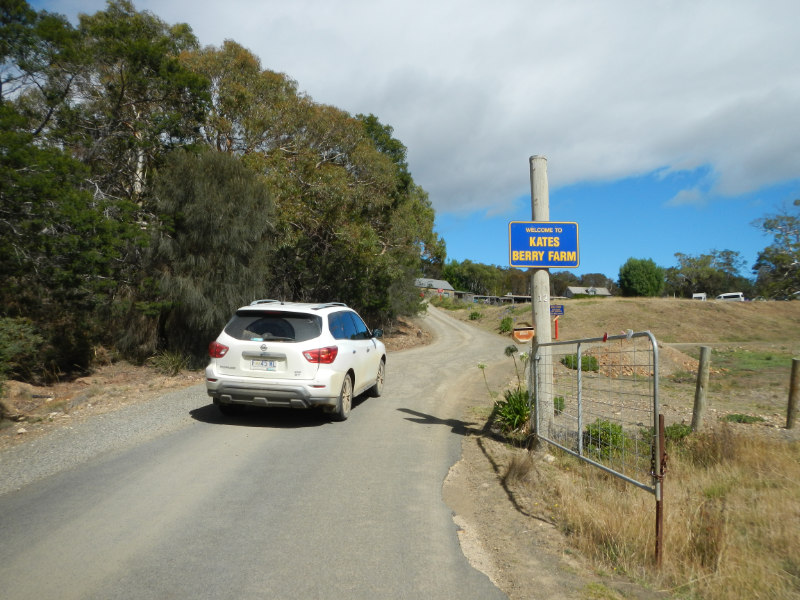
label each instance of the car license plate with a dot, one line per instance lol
(263, 365)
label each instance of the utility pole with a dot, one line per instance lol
(540, 301)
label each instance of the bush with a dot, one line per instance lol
(19, 345)
(588, 363)
(558, 404)
(506, 324)
(475, 315)
(512, 412)
(739, 418)
(603, 438)
(445, 303)
(677, 432)
(169, 363)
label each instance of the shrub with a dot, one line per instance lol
(588, 363)
(603, 438)
(739, 418)
(445, 303)
(19, 345)
(169, 363)
(475, 315)
(512, 412)
(558, 404)
(677, 432)
(506, 324)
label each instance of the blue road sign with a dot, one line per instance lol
(556, 309)
(543, 244)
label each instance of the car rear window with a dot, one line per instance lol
(267, 325)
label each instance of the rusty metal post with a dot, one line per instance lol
(701, 389)
(661, 470)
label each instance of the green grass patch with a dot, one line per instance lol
(739, 361)
(740, 418)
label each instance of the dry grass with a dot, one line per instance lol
(731, 516)
(732, 491)
(671, 320)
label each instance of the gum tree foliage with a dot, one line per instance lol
(99, 112)
(484, 280)
(135, 101)
(714, 274)
(778, 265)
(641, 277)
(561, 280)
(58, 249)
(40, 56)
(597, 280)
(94, 110)
(210, 254)
(351, 225)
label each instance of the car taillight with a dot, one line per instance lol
(322, 356)
(217, 350)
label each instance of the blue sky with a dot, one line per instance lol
(668, 126)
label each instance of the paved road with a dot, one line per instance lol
(276, 504)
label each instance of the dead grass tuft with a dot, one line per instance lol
(521, 469)
(731, 523)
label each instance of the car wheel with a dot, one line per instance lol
(376, 390)
(229, 410)
(345, 401)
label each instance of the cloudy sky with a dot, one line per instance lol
(668, 126)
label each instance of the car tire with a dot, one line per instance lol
(376, 390)
(345, 400)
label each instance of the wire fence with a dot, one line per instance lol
(597, 398)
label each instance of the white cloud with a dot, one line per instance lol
(604, 90)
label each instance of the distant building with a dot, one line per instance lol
(435, 286)
(584, 291)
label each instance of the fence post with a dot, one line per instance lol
(660, 468)
(701, 389)
(794, 392)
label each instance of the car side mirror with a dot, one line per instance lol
(377, 333)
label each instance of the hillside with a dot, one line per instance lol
(752, 344)
(670, 320)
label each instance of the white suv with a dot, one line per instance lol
(289, 354)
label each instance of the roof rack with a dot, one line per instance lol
(266, 301)
(328, 305)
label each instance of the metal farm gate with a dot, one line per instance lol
(597, 398)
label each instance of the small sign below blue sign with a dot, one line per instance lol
(543, 244)
(556, 310)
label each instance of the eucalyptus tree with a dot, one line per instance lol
(58, 250)
(778, 265)
(641, 277)
(209, 254)
(350, 224)
(40, 58)
(136, 101)
(714, 273)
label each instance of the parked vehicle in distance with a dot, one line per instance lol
(731, 296)
(296, 355)
(700, 296)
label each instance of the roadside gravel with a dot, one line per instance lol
(111, 432)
